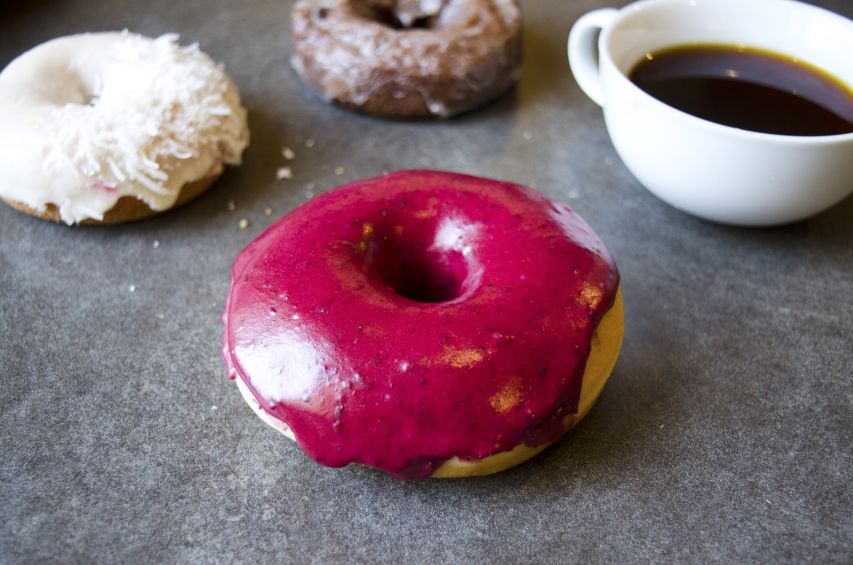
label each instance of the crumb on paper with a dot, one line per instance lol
(214, 407)
(267, 211)
(132, 288)
(284, 173)
(244, 223)
(309, 143)
(288, 153)
(339, 171)
(232, 205)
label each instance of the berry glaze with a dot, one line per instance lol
(400, 321)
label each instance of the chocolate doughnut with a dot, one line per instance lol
(408, 58)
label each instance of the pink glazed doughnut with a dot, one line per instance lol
(424, 323)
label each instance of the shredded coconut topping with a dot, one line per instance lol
(122, 135)
(153, 105)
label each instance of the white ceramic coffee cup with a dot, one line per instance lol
(713, 171)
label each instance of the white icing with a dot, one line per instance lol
(90, 118)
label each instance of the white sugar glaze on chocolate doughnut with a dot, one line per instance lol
(88, 119)
(408, 58)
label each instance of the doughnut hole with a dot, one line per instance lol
(415, 267)
(67, 87)
(399, 15)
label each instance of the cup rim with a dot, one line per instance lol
(625, 81)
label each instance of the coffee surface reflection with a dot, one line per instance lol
(747, 88)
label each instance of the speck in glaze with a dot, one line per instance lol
(400, 321)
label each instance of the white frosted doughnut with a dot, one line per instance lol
(88, 119)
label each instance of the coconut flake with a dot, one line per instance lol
(154, 104)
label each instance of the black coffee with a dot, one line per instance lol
(748, 89)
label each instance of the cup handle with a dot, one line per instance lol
(583, 51)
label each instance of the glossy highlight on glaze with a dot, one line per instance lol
(403, 320)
